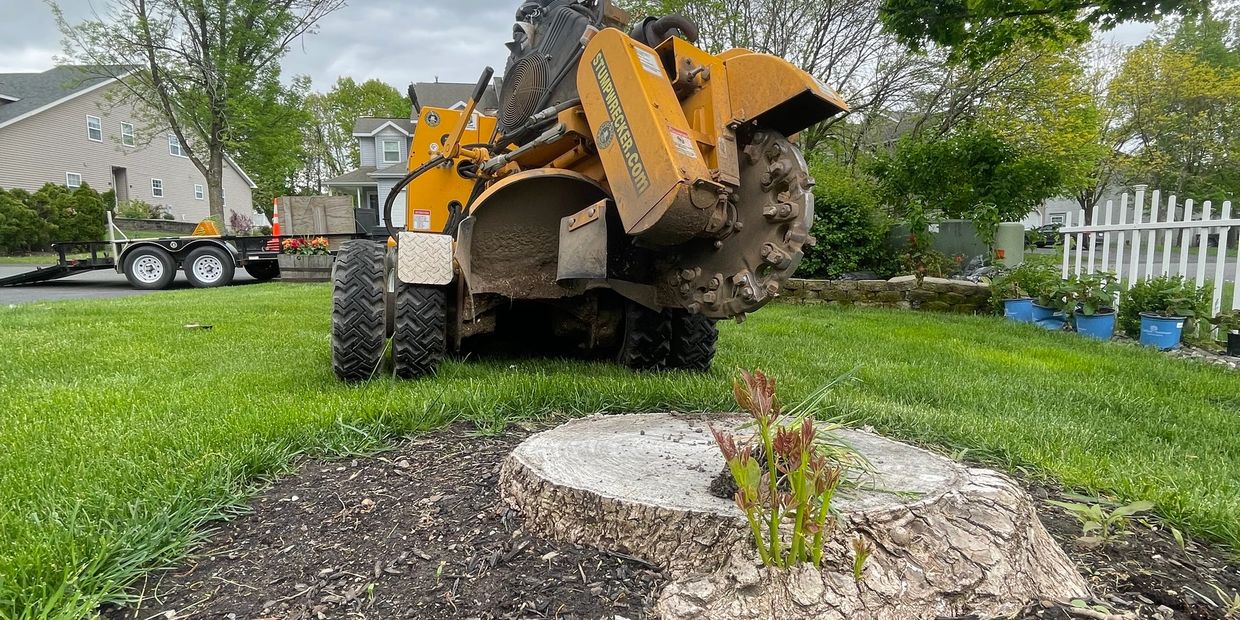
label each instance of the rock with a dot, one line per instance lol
(949, 540)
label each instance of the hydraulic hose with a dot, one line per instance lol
(404, 182)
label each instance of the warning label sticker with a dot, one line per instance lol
(421, 220)
(649, 61)
(683, 142)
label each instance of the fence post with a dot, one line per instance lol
(1220, 268)
(1152, 238)
(1186, 239)
(1138, 213)
(1119, 246)
(1067, 244)
(1203, 241)
(1166, 257)
(1106, 239)
(1093, 241)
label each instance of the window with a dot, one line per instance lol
(73, 179)
(174, 146)
(1058, 218)
(94, 129)
(197, 192)
(391, 151)
(127, 138)
(157, 188)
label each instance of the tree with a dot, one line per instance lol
(979, 30)
(269, 126)
(969, 172)
(196, 67)
(327, 137)
(1181, 118)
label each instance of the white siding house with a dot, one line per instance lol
(59, 127)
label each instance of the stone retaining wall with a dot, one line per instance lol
(934, 294)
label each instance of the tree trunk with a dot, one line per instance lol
(215, 189)
(949, 540)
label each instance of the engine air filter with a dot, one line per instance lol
(524, 87)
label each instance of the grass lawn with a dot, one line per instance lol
(120, 430)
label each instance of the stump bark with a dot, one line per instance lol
(948, 540)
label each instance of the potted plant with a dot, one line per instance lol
(1090, 301)
(306, 260)
(1158, 310)
(1228, 325)
(1008, 291)
(1048, 303)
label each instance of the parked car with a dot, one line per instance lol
(1048, 235)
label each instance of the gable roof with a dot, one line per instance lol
(448, 94)
(367, 126)
(35, 92)
(30, 93)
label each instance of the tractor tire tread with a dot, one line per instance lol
(420, 336)
(647, 338)
(693, 342)
(358, 321)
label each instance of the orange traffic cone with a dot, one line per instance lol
(274, 244)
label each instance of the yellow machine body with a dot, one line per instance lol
(428, 199)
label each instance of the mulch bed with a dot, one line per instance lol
(412, 533)
(418, 532)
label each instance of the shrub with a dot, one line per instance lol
(1169, 296)
(849, 226)
(141, 210)
(21, 228)
(240, 224)
(80, 216)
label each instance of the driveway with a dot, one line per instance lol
(91, 285)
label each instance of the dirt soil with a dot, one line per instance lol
(418, 532)
(412, 533)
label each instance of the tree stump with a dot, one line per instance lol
(948, 540)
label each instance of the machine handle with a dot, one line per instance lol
(483, 82)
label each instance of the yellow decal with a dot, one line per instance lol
(620, 124)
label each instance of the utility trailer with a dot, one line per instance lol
(151, 264)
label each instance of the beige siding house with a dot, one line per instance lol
(59, 127)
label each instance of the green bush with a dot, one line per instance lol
(140, 210)
(21, 228)
(1170, 296)
(1033, 279)
(849, 226)
(74, 214)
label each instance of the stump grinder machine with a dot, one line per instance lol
(631, 190)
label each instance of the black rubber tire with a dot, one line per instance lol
(263, 270)
(693, 342)
(420, 339)
(358, 321)
(225, 262)
(647, 338)
(166, 263)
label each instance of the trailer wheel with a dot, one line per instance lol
(149, 268)
(263, 270)
(693, 341)
(209, 267)
(420, 339)
(358, 334)
(647, 338)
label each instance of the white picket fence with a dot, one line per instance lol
(1129, 248)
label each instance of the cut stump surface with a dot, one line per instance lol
(949, 540)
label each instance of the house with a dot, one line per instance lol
(383, 144)
(59, 126)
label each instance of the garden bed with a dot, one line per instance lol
(419, 531)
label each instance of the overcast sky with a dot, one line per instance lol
(397, 41)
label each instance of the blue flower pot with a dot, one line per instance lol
(1162, 332)
(1020, 310)
(1100, 326)
(1047, 317)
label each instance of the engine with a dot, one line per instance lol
(546, 45)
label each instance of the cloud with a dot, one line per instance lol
(397, 42)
